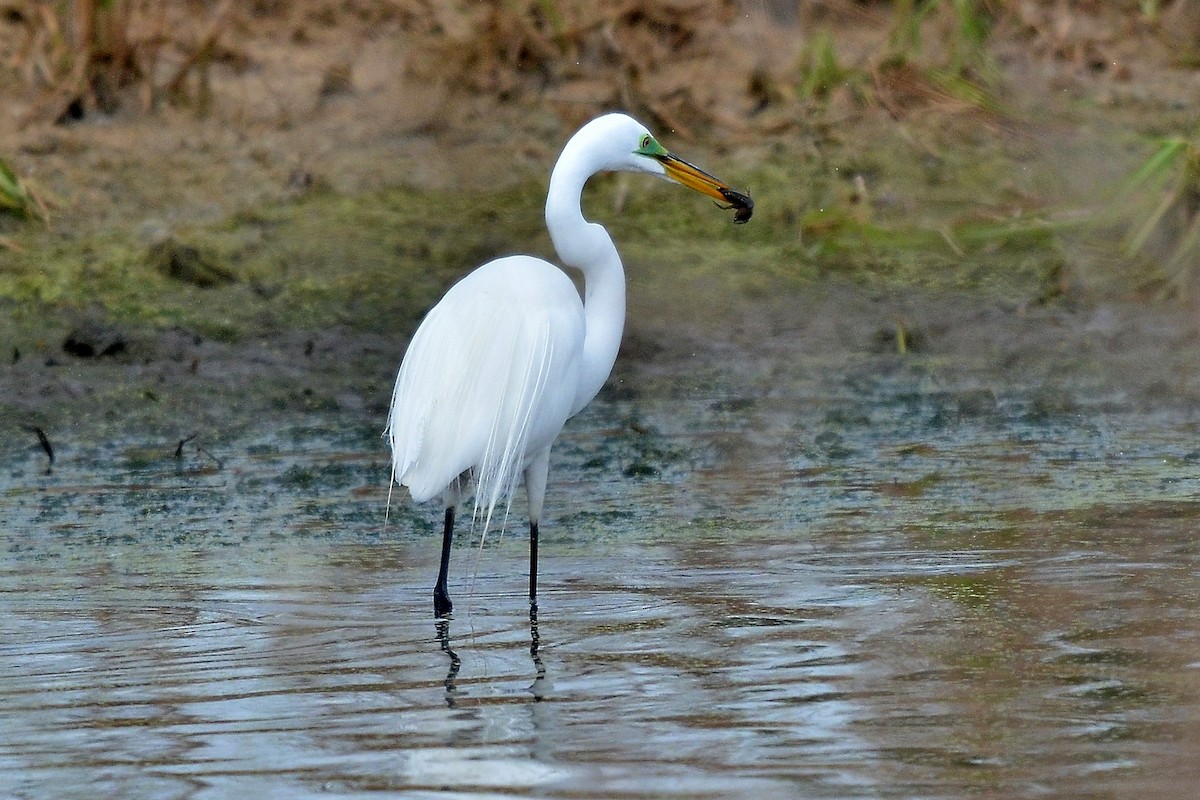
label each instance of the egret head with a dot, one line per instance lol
(617, 142)
(662, 162)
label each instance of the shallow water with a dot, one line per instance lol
(889, 588)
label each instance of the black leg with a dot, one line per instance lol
(441, 597)
(533, 537)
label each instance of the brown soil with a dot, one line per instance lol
(347, 96)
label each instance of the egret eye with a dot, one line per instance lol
(646, 141)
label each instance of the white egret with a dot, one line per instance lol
(510, 353)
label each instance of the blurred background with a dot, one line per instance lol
(269, 171)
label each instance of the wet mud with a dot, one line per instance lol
(869, 577)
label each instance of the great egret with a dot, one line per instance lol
(510, 353)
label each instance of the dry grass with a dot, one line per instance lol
(85, 56)
(582, 56)
(691, 65)
(686, 65)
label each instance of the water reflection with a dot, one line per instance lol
(443, 637)
(927, 603)
(540, 688)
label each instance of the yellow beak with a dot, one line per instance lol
(697, 179)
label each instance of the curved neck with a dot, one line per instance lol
(587, 247)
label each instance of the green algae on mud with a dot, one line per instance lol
(377, 260)
(317, 260)
(327, 284)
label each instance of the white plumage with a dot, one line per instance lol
(518, 322)
(511, 352)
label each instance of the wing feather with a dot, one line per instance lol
(488, 380)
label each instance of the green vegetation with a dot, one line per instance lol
(20, 197)
(376, 261)
(821, 72)
(1163, 199)
(961, 72)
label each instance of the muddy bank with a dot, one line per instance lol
(205, 270)
(161, 386)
